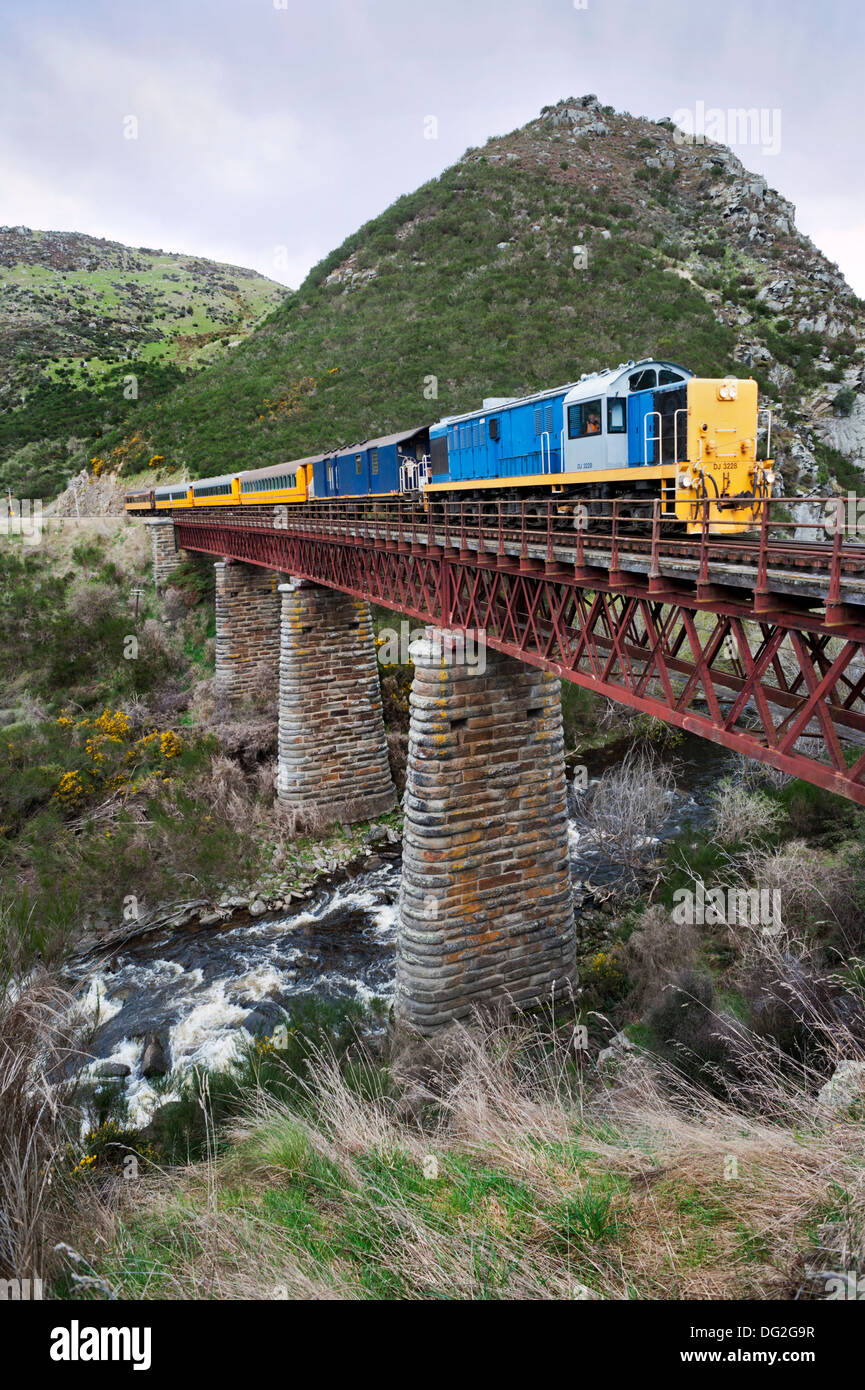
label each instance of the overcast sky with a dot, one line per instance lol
(267, 130)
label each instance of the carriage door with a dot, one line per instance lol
(640, 404)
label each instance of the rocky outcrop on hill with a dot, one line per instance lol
(799, 327)
(86, 495)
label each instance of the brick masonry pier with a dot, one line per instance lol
(486, 905)
(247, 630)
(166, 556)
(332, 746)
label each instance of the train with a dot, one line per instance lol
(644, 432)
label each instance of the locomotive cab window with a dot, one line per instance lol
(358, 463)
(667, 378)
(646, 380)
(584, 419)
(616, 418)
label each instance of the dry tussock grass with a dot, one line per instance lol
(211, 1249)
(37, 1040)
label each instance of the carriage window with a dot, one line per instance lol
(358, 463)
(643, 381)
(666, 377)
(584, 419)
(616, 422)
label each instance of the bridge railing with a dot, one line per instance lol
(814, 532)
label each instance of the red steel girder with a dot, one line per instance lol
(756, 684)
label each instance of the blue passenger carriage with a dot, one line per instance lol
(392, 463)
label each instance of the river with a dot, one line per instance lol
(205, 989)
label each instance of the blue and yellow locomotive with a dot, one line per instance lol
(641, 431)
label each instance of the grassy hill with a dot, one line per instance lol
(474, 285)
(89, 327)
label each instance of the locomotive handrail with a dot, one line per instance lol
(683, 410)
(549, 468)
(765, 410)
(647, 439)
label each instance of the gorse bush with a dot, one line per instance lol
(71, 762)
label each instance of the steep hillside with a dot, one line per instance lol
(472, 286)
(87, 327)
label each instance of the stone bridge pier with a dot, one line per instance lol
(486, 905)
(312, 649)
(333, 759)
(166, 555)
(247, 630)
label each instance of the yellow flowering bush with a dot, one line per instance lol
(113, 723)
(110, 759)
(170, 745)
(70, 791)
(604, 974)
(107, 1145)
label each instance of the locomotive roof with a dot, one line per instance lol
(597, 383)
(583, 389)
(494, 403)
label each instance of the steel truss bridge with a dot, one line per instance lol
(755, 643)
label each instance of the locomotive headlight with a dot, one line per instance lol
(769, 475)
(685, 480)
(727, 391)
